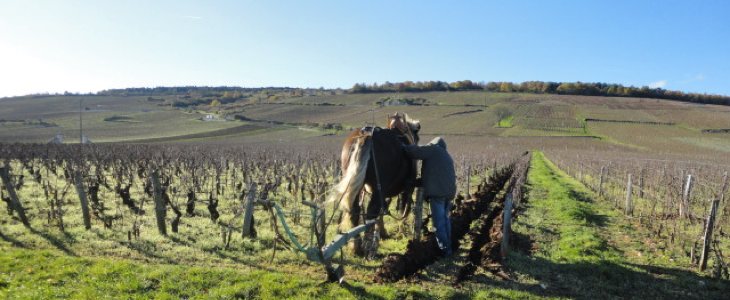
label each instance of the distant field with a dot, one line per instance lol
(451, 114)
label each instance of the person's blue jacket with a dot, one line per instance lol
(437, 168)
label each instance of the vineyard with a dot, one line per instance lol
(240, 205)
(297, 150)
(682, 203)
(547, 119)
(188, 204)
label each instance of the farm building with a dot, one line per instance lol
(58, 139)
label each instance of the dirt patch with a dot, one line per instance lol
(486, 238)
(486, 241)
(424, 252)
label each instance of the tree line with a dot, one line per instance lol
(543, 87)
(205, 91)
(232, 93)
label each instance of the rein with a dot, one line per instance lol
(377, 180)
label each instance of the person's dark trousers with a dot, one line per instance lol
(440, 208)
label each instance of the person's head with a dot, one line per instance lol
(439, 141)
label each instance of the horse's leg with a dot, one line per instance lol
(381, 225)
(406, 200)
(352, 219)
(371, 239)
(381, 228)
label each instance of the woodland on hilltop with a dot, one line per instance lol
(233, 93)
(543, 87)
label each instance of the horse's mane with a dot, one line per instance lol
(414, 124)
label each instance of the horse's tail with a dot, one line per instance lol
(352, 180)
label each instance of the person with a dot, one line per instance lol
(439, 184)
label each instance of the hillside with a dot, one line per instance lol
(569, 241)
(659, 126)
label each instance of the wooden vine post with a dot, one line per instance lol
(641, 183)
(684, 210)
(418, 214)
(628, 209)
(721, 196)
(722, 193)
(467, 181)
(17, 206)
(580, 171)
(707, 237)
(81, 191)
(160, 206)
(506, 225)
(322, 212)
(600, 181)
(247, 230)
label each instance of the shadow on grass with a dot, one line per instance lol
(220, 254)
(351, 262)
(146, 248)
(359, 292)
(585, 212)
(610, 280)
(59, 244)
(14, 242)
(522, 242)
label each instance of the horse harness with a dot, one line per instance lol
(398, 122)
(366, 132)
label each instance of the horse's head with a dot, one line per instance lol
(407, 126)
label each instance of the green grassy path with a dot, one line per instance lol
(43, 274)
(565, 235)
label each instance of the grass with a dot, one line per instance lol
(505, 122)
(44, 262)
(574, 251)
(565, 202)
(577, 247)
(42, 274)
(47, 274)
(648, 238)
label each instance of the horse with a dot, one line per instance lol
(372, 158)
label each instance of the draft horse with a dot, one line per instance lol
(372, 158)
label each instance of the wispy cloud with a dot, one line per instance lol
(658, 84)
(695, 78)
(192, 17)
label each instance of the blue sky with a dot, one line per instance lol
(82, 46)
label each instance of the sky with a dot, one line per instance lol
(87, 46)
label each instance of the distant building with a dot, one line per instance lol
(58, 139)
